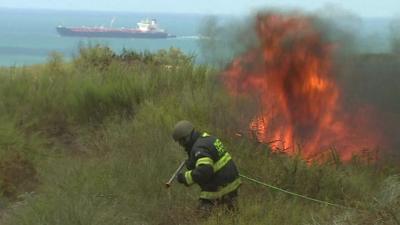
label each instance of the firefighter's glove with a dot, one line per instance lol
(181, 178)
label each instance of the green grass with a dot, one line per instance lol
(97, 131)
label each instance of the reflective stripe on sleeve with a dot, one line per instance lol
(205, 161)
(205, 134)
(188, 177)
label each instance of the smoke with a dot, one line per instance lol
(368, 81)
(395, 35)
(223, 38)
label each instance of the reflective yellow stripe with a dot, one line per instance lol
(222, 191)
(205, 160)
(205, 134)
(222, 162)
(188, 177)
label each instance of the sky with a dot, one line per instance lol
(364, 8)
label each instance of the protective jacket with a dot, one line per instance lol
(211, 167)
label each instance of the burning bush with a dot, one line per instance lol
(290, 72)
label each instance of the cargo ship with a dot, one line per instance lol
(145, 29)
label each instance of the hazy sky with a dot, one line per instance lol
(369, 8)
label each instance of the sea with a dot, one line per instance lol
(28, 36)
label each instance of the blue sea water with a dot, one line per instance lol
(28, 36)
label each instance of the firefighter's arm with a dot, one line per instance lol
(202, 172)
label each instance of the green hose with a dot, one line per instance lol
(292, 193)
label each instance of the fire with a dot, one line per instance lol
(290, 73)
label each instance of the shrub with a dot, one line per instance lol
(94, 57)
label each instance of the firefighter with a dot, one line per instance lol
(210, 166)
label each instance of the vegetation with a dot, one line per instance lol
(88, 142)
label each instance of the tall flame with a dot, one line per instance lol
(291, 73)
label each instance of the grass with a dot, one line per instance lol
(96, 131)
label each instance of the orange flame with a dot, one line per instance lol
(291, 71)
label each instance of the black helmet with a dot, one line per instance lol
(182, 129)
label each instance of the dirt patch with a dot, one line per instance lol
(17, 175)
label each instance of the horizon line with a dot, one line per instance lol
(162, 12)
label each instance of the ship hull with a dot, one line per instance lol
(115, 33)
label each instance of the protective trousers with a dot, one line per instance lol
(227, 202)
